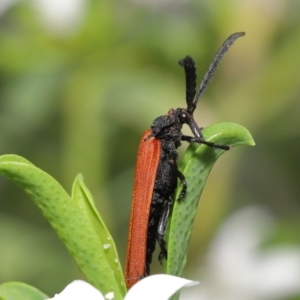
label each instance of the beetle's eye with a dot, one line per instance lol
(183, 117)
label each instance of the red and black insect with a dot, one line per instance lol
(157, 173)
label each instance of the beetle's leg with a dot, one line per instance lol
(147, 270)
(162, 229)
(192, 139)
(184, 185)
(163, 253)
(156, 210)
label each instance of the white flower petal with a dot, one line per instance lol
(5, 5)
(110, 296)
(279, 270)
(238, 268)
(158, 287)
(61, 17)
(79, 290)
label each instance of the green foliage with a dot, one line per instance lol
(84, 199)
(20, 291)
(75, 221)
(196, 166)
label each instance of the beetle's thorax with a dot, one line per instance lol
(168, 127)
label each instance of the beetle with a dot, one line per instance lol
(157, 173)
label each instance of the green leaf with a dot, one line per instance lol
(14, 158)
(20, 291)
(67, 219)
(84, 199)
(196, 166)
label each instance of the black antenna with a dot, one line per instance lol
(190, 78)
(212, 68)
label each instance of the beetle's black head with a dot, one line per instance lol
(170, 124)
(184, 116)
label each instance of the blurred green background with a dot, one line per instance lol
(80, 81)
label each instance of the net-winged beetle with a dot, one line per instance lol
(157, 173)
